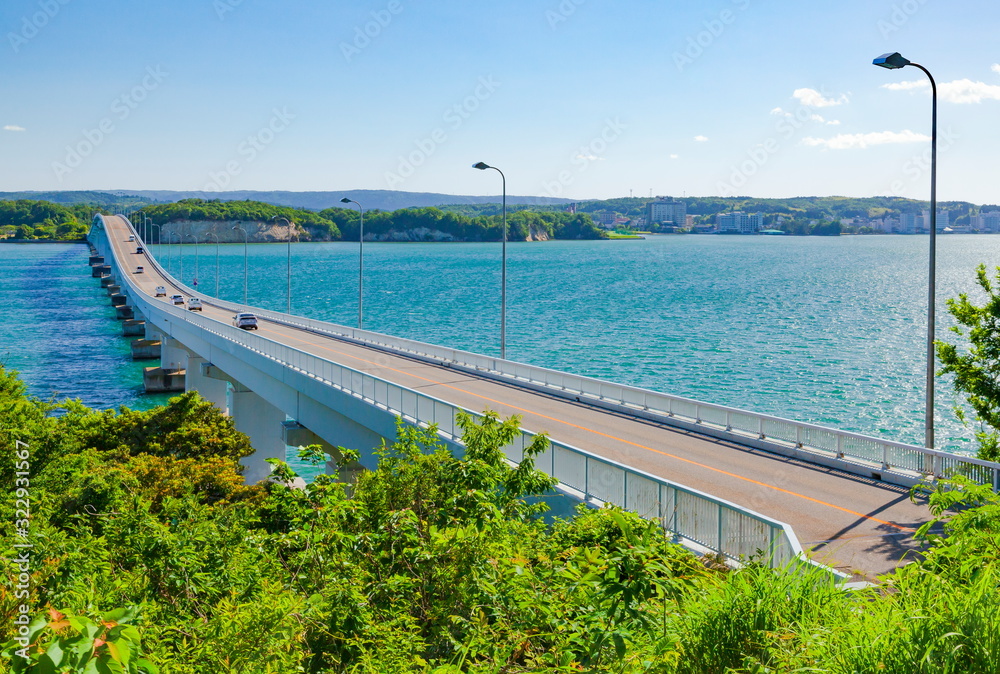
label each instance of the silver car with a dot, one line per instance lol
(245, 321)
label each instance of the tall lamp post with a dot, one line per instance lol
(245, 267)
(894, 61)
(361, 261)
(197, 267)
(216, 262)
(288, 264)
(157, 232)
(482, 166)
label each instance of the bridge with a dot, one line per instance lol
(718, 479)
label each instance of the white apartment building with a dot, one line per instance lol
(667, 210)
(738, 221)
(987, 222)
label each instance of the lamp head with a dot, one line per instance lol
(482, 166)
(892, 61)
(345, 200)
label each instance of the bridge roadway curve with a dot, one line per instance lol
(857, 525)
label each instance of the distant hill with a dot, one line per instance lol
(385, 200)
(95, 198)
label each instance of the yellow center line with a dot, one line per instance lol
(610, 437)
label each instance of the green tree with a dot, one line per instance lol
(977, 367)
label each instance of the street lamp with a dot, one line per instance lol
(197, 267)
(361, 260)
(894, 61)
(216, 261)
(288, 310)
(245, 267)
(482, 166)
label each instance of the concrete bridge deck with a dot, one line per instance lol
(851, 523)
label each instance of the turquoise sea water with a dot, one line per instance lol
(826, 330)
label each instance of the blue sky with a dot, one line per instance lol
(571, 98)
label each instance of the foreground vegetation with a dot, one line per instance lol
(150, 554)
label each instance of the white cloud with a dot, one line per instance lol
(906, 86)
(674, 156)
(701, 139)
(967, 91)
(848, 141)
(815, 99)
(810, 116)
(956, 91)
(12, 127)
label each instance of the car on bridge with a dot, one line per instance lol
(177, 299)
(161, 291)
(139, 270)
(131, 237)
(245, 320)
(138, 250)
(194, 304)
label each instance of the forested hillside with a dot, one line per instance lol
(27, 219)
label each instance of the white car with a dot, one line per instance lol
(161, 291)
(138, 270)
(177, 299)
(194, 304)
(131, 237)
(245, 321)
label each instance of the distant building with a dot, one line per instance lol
(604, 218)
(739, 222)
(987, 222)
(666, 210)
(910, 223)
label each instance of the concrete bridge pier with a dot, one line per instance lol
(173, 354)
(171, 374)
(208, 381)
(262, 423)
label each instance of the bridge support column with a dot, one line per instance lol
(173, 354)
(213, 390)
(261, 422)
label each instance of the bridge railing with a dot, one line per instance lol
(693, 518)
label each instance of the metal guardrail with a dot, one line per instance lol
(693, 518)
(847, 449)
